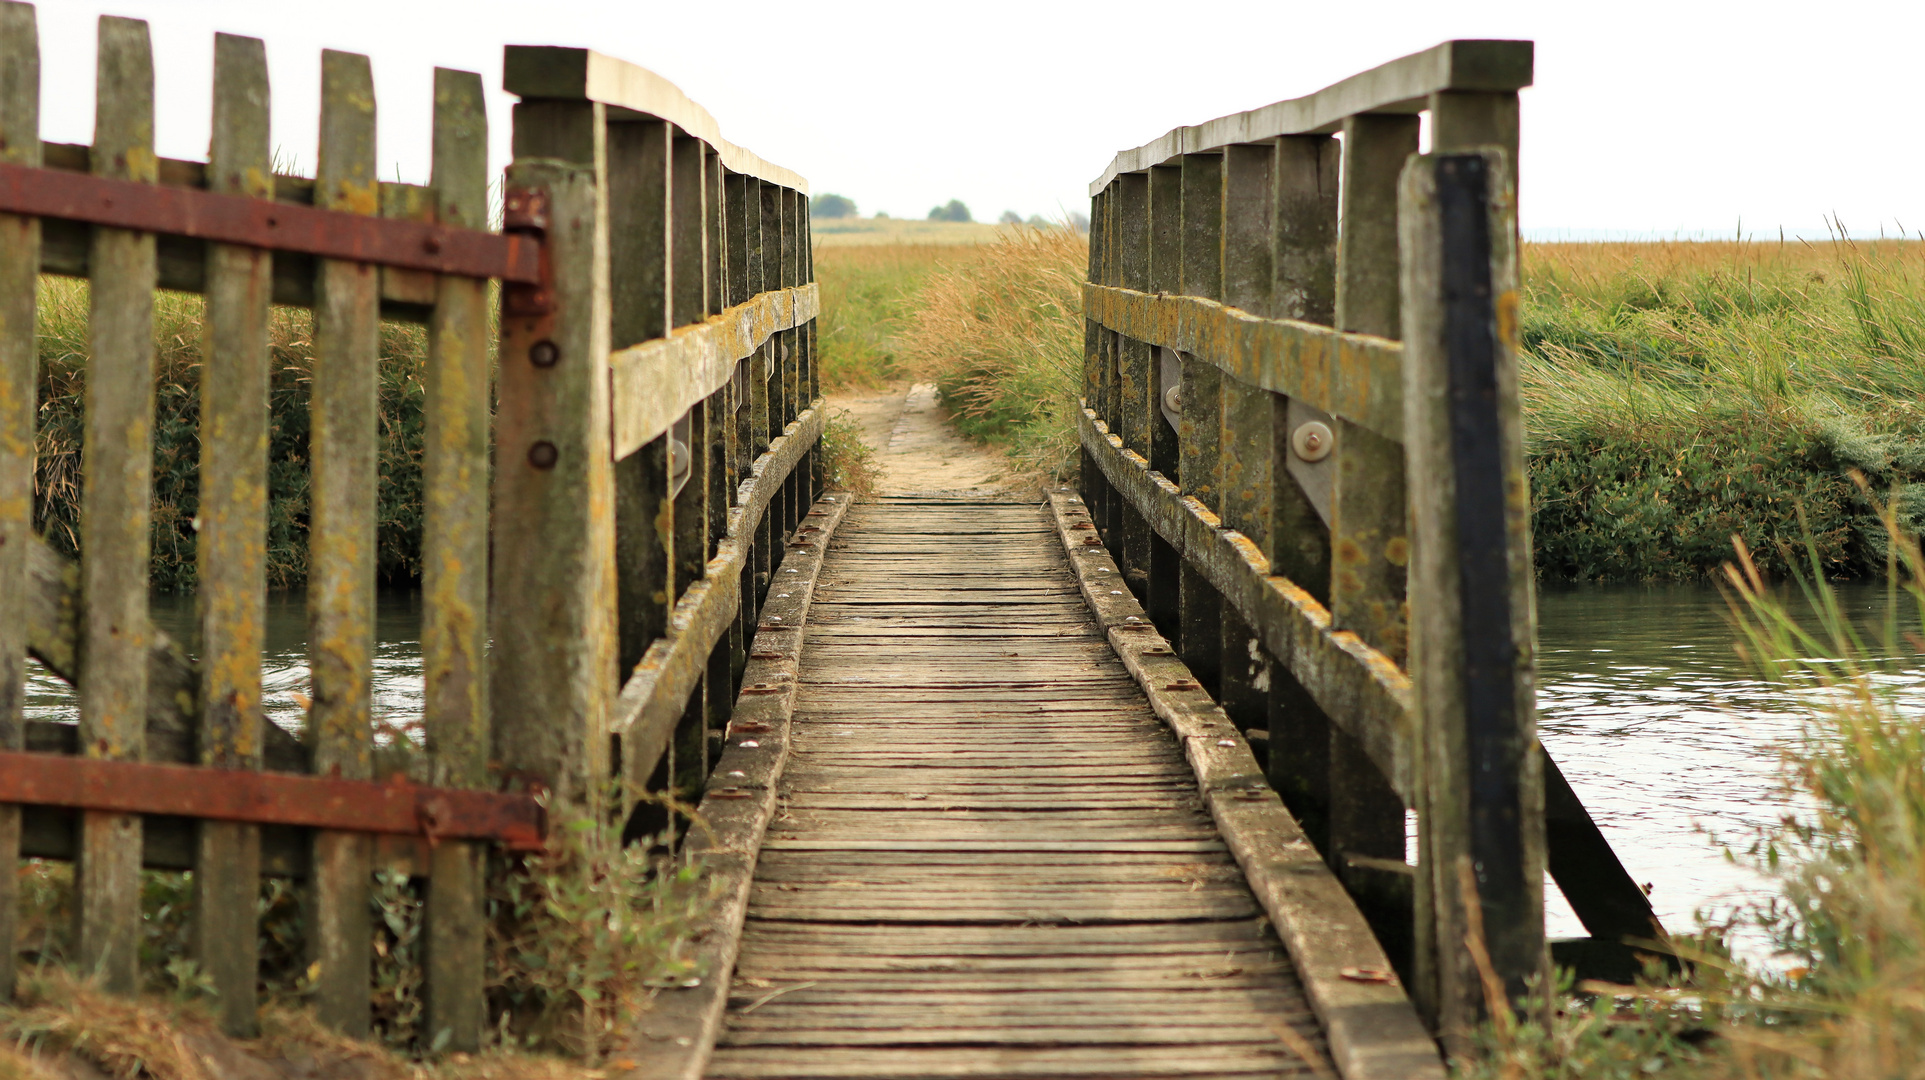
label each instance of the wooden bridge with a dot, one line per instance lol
(1222, 764)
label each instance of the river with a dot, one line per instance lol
(1663, 731)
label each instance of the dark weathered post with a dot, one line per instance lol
(1471, 600)
(1199, 411)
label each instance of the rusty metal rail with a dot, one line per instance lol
(517, 822)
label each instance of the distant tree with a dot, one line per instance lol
(832, 206)
(1010, 217)
(1079, 222)
(955, 211)
(882, 215)
(1038, 221)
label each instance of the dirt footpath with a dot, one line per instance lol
(917, 452)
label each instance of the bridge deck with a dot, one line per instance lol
(990, 858)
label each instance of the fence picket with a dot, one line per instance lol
(454, 628)
(19, 363)
(232, 600)
(114, 517)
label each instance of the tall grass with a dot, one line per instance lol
(868, 294)
(63, 353)
(1678, 394)
(1001, 336)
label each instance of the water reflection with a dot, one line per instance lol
(284, 672)
(1659, 726)
(1665, 734)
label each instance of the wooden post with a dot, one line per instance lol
(1135, 367)
(1471, 601)
(554, 669)
(345, 449)
(454, 642)
(1368, 533)
(232, 600)
(117, 486)
(1200, 410)
(714, 233)
(19, 272)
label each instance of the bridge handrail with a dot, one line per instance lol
(1403, 85)
(1251, 418)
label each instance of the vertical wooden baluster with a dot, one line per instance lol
(688, 229)
(454, 623)
(232, 603)
(1089, 483)
(118, 470)
(1245, 496)
(718, 692)
(791, 378)
(553, 662)
(19, 271)
(641, 285)
(1135, 365)
(1200, 430)
(775, 362)
(345, 446)
(1165, 577)
(715, 270)
(761, 228)
(1369, 545)
(1471, 582)
(1303, 214)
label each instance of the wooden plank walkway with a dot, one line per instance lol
(990, 858)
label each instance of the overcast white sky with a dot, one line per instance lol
(1649, 116)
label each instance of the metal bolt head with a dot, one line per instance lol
(543, 455)
(1173, 398)
(544, 353)
(1312, 441)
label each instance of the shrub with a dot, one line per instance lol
(832, 206)
(955, 211)
(1010, 217)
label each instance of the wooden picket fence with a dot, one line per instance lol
(1302, 441)
(646, 443)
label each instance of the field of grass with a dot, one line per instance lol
(870, 232)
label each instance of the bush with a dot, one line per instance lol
(955, 211)
(832, 206)
(1010, 217)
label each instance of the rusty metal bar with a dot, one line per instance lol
(516, 821)
(263, 223)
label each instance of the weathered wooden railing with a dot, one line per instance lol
(641, 493)
(1303, 445)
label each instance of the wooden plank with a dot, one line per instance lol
(1482, 843)
(231, 539)
(1345, 374)
(1111, 1063)
(1404, 85)
(116, 487)
(345, 444)
(454, 625)
(19, 364)
(1372, 1027)
(681, 1027)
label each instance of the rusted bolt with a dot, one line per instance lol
(543, 455)
(1173, 399)
(1312, 441)
(544, 353)
(1183, 684)
(431, 245)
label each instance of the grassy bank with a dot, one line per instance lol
(1676, 394)
(63, 351)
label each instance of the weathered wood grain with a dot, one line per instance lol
(115, 491)
(19, 363)
(345, 451)
(232, 537)
(454, 625)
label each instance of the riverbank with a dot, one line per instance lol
(1676, 394)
